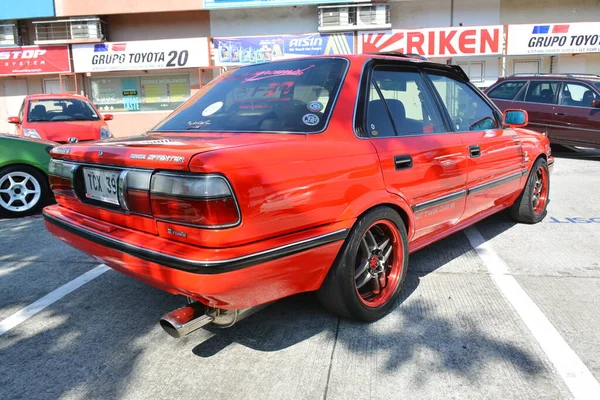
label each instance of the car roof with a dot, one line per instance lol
(574, 77)
(56, 96)
(391, 55)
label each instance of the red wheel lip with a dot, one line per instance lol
(543, 197)
(395, 270)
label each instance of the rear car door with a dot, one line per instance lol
(420, 160)
(578, 122)
(494, 153)
(540, 98)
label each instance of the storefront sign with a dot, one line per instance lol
(216, 4)
(435, 42)
(259, 49)
(581, 37)
(141, 55)
(31, 60)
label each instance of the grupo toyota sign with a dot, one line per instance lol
(141, 55)
(33, 60)
(582, 37)
(435, 42)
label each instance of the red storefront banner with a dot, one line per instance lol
(435, 42)
(34, 60)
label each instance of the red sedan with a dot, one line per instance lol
(317, 174)
(61, 118)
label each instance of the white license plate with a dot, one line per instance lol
(101, 185)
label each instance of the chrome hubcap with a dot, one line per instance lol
(19, 191)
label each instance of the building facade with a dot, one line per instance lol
(140, 60)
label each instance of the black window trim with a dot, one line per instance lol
(497, 114)
(360, 109)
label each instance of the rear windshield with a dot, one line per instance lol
(290, 96)
(55, 110)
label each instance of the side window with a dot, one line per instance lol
(467, 109)
(506, 90)
(576, 95)
(400, 104)
(542, 92)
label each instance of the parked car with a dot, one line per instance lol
(24, 187)
(62, 118)
(564, 106)
(317, 174)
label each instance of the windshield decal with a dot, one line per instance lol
(315, 106)
(213, 108)
(260, 75)
(311, 120)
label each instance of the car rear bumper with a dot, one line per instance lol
(231, 278)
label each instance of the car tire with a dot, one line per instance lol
(531, 205)
(375, 254)
(24, 191)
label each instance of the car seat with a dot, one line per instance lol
(547, 96)
(38, 112)
(567, 99)
(378, 119)
(588, 97)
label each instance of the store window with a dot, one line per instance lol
(475, 70)
(140, 93)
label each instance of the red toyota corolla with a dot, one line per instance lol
(61, 118)
(317, 174)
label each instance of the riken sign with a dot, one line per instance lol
(435, 42)
(581, 37)
(32, 60)
(141, 55)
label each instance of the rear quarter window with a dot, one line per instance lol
(506, 90)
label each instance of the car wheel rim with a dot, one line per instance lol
(19, 191)
(539, 197)
(378, 264)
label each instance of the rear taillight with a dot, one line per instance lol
(61, 175)
(205, 201)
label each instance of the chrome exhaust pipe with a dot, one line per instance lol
(227, 318)
(187, 319)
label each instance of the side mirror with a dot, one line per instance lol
(108, 117)
(596, 103)
(14, 120)
(515, 118)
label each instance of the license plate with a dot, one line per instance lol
(101, 185)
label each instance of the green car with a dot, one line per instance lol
(24, 187)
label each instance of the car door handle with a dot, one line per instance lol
(403, 162)
(559, 114)
(474, 151)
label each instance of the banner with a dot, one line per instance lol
(31, 60)
(259, 49)
(217, 4)
(581, 37)
(435, 42)
(141, 55)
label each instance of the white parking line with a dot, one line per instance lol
(577, 377)
(34, 308)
